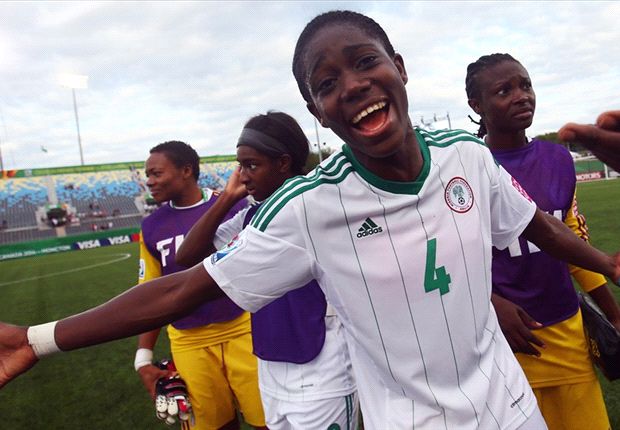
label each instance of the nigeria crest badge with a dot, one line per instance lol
(459, 195)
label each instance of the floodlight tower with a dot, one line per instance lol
(1, 162)
(318, 141)
(76, 82)
(436, 119)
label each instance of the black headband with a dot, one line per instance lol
(261, 142)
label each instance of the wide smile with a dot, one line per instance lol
(372, 118)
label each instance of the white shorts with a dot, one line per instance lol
(339, 412)
(318, 395)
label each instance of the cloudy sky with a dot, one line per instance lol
(196, 71)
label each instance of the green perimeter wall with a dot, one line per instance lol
(585, 166)
(87, 240)
(69, 243)
(27, 173)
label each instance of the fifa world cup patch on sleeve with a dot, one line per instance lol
(520, 189)
(459, 195)
(233, 246)
(142, 269)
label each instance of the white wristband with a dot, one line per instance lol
(144, 357)
(41, 339)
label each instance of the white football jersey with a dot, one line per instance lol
(407, 266)
(327, 376)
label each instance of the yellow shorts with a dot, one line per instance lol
(564, 361)
(573, 407)
(221, 378)
(568, 392)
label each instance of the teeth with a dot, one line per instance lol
(370, 109)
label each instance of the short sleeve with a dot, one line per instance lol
(511, 208)
(586, 279)
(257, 268)
(229, 229)
(149, 268)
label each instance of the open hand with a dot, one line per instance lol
(16, 356)
(234, 187)
(517, 326)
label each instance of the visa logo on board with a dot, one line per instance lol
(119, 240)
(88, 244)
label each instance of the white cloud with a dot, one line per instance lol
(196, 71)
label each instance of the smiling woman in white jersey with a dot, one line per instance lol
(426, 348)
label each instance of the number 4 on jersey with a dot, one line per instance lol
(435, 278)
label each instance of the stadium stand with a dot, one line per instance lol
(19, 198)
(97, 197)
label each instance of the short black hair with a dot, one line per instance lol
(472, 88)
(335, 17)
(181, 155)
(283, 128)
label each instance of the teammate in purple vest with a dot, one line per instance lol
(211, 347)
(397, 228)
(305, 374)
(531, 289)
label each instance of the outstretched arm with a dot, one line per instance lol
(198, 242)
(142, 308)
(592, 283)
(603, 139)
(554, 237)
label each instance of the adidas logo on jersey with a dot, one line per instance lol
(368, 228)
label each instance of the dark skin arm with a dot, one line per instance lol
(517, 324)
(142, 308)
(198, 242)
(158, 302)
(603, 139)
(555, 238)
(607, 302)
(558, 240)
(150, 373)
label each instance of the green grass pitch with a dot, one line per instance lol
(97, 388)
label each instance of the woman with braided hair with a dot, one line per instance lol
(531, 289)
(304, 370)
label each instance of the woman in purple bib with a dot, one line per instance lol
(533, 295)
(305, 374)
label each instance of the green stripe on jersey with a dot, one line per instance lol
(443, 138)
(332, 173)
(396, 187)
(337, 169)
